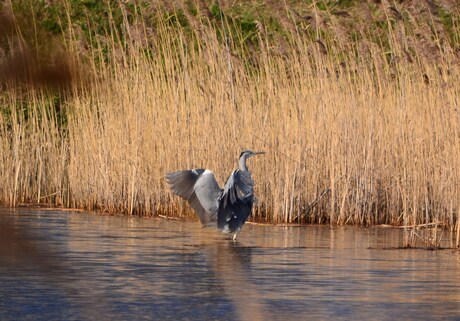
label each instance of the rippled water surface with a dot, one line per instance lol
(78, 266)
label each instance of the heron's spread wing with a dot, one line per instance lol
(236, 201)
(199, 187)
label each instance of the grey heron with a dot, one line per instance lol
(228, 207)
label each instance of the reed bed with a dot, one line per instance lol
(358, 139)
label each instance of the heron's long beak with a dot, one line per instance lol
(259, 153)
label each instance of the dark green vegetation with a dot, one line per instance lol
(411, 31)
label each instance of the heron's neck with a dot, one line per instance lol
(242, 164)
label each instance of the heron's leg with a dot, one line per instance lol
(234, 236)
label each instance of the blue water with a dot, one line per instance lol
(79, 266)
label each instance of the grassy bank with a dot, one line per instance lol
(356, 105)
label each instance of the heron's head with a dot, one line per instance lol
(249, 153)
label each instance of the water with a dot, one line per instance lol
(79, 266)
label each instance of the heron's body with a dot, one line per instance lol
(227, 208)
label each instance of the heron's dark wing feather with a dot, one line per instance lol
(236, 201)
(199, 187)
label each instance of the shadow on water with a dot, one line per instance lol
(31, 259)
(76, 266)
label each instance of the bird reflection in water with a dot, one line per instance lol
(232, 263)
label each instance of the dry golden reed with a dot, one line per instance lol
(371, 141)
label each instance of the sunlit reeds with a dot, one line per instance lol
(360, 139)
